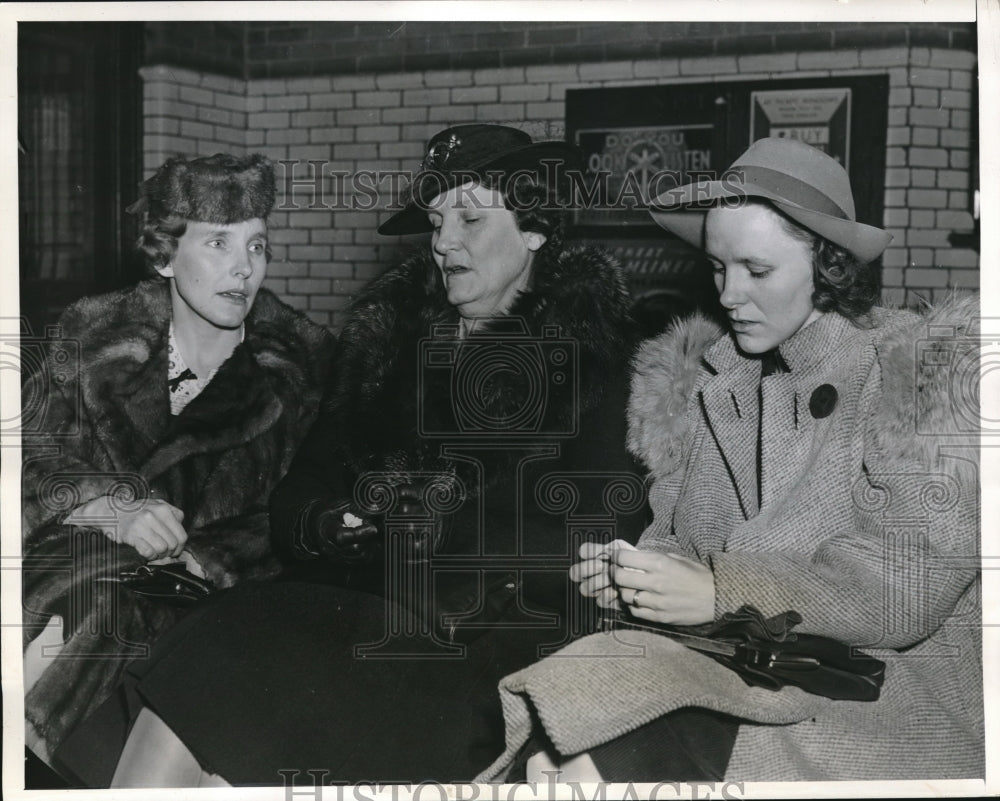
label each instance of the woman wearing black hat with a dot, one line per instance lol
(186, 400)
(815, 458)
(476, 419)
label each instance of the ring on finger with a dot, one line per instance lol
(635, 598)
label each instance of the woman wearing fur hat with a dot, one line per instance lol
(476, 385)
(816, 457)
(192, 392)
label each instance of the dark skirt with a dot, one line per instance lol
(271, 679)
(689, 744)
(270, 684)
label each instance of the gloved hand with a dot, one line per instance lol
(429, 530)
(339, 533)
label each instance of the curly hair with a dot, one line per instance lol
(841, 282)
(535, 204)
(158, 241)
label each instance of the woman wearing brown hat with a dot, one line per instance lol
(191, 393)
(815, 457)
(478, 403)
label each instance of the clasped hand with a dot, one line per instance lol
(660, 587)
(153, 527)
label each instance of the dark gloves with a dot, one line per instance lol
(424, 531)
(337, 532)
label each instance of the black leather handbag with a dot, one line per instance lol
(765, 652)
(171, 583)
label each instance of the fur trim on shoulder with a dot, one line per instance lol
(280, 369)
(288, 344)
(930, 383)
(118, 325)
(378, 380)
(118, 333)
(665, 373)
(582, 290)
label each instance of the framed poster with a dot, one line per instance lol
(818, 117)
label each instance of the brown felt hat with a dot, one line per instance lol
(221, 189)
(467, 152)
(803, 182)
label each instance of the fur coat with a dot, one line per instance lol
(102, 426)
(864, 520)
(410, 397)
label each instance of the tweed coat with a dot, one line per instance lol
(866, 524)
(104, 427)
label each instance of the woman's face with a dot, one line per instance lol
(484, 258)
(216, 272)
(764, 275)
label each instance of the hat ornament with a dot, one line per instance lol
(438, 156)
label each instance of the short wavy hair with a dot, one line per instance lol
(158, 242)
(842, 283)
(537, 206)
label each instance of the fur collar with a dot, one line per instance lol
(580, 289)
(122, 340)
(930, 383)
(131, 324)
(378, 380)
(669, 370)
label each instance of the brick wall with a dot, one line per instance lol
(273, 49)
(188, 112)
(218, 47)
(325, 251)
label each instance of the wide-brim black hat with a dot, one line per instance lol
(802, 181)
(468, 152)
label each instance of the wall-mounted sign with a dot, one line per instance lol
(641, 141)
(625, 167)
(819, 117)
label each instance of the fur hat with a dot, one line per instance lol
(221, 189)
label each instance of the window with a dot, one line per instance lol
(79, 110)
